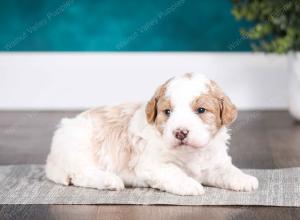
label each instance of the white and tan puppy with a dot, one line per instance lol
(177, 142)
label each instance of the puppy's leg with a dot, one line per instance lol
(170, 178)
(98, 179)
(229, 177)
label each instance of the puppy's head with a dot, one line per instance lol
(189, 110)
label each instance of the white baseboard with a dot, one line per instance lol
(81, 80)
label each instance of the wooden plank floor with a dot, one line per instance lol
(261, 139)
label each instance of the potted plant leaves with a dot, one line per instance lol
(275, 28)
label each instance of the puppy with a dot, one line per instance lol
(177, 142)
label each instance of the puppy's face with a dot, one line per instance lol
(189, 110)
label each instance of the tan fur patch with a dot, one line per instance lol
(161, 118)
(151, 108)
(228, 111)
(212, 114)
(219, 109)
(110, 126)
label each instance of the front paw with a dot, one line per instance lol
(114, 183)
(243, 182)
(186, 187)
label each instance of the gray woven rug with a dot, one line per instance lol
(27, 184)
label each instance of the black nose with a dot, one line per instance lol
(181, 134)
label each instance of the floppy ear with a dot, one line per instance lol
(151, 108)
(228, 111)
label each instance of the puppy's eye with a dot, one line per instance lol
(167, 112)
(201, 110)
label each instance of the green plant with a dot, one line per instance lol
(274, 24)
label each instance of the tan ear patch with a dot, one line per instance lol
(151, 108)
(228, 111)
(151, 111)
